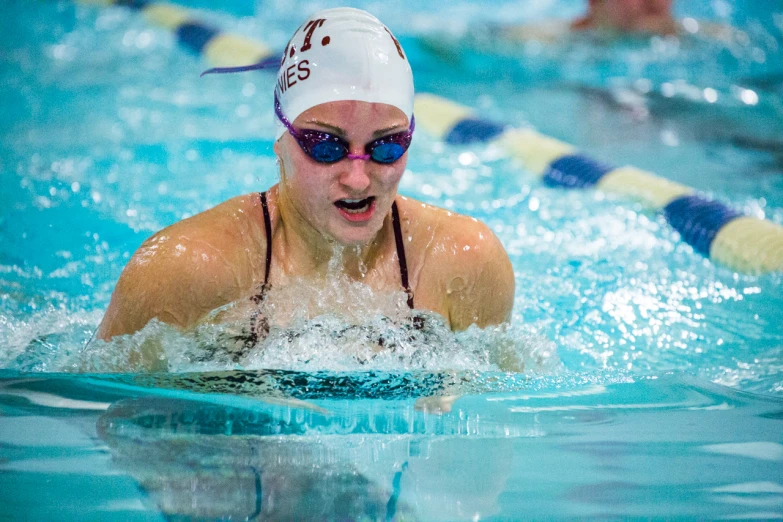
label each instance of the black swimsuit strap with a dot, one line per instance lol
(255, 323)
(268, 230)
(401, 253)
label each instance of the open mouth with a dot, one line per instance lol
(358, 211)
(355, 206)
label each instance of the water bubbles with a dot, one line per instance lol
(669, 137)
(643, 85)
(181, 98)
(748, 96)
(63, 52)
(139, 39)
(690, 24)
(468, 159)
(722, 8)
(43, 202)
(128, 38)
(248, 90)
(144, 39)
(758, 55)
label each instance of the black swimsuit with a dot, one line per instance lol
(262, 325)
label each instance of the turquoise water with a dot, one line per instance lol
(653, 378)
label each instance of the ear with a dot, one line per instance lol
(278, 148)
(279, 160)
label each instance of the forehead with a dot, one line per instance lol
(348, 114)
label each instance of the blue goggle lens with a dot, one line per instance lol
(387, 152)
(327, 152)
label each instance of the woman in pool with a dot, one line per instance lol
(344, 101)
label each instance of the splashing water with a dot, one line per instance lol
(337, 324)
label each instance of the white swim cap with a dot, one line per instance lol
(343, 54)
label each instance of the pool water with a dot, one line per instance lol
(652, 382)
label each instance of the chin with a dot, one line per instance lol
(356, 235)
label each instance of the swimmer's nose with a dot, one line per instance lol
(356, 175)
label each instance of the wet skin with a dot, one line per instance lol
(457, 267)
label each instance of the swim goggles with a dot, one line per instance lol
(329, 148)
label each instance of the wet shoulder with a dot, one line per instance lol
(444, 233)
(225, 238)
(237, 221)
(461, 268)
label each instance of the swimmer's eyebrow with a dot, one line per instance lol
(334, 129)
(339, 131)
(382, 132)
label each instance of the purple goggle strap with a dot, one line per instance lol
(272, 62)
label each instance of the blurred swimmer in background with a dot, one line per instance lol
(605, 20)
(628, 16)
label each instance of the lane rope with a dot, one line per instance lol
(743, 243)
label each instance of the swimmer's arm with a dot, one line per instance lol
(481, 289)
(171, 278)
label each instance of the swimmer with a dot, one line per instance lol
(344, 107)
(628, 16)
(606, 19)
(604, 22)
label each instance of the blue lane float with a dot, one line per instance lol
(195, 36)
(471, 130)
(698, 220)
(574, 171)
(133, 4)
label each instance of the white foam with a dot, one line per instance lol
(340, 326)
(46, 339)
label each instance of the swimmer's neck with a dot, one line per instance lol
(305, 251)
